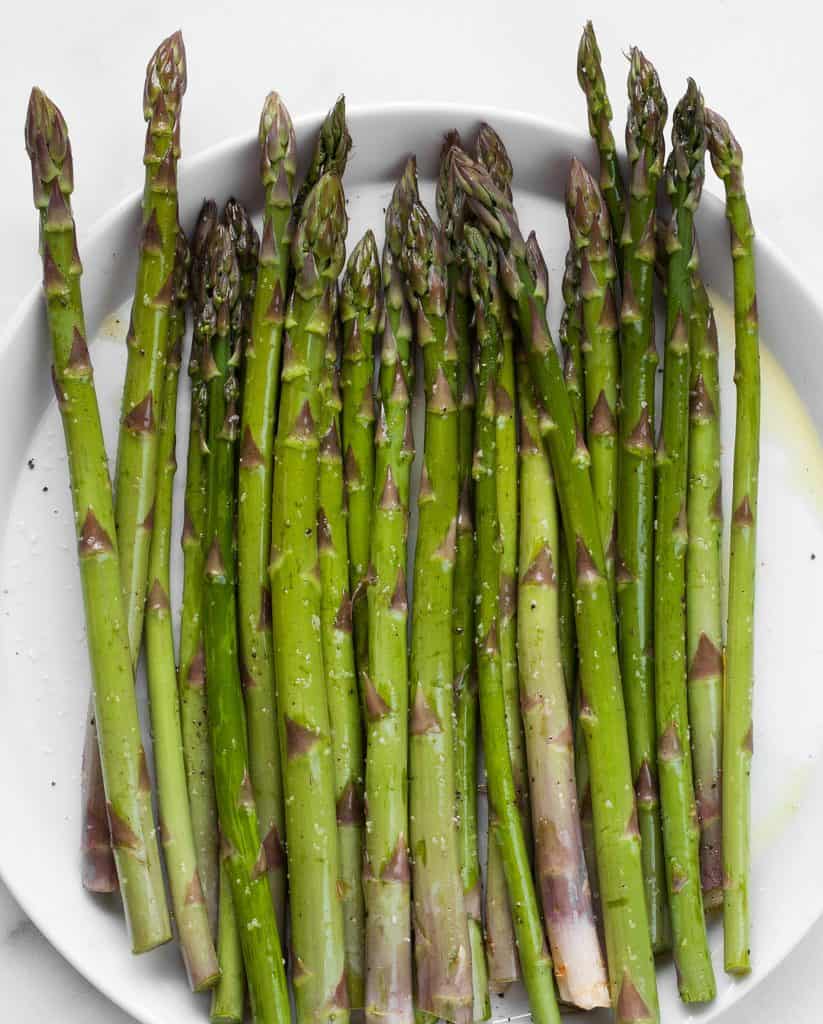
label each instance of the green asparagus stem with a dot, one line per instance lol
(442, 952)
(459, 313)
(506, 829)
(228, 1002)
(260, 391)
(317, 255)
(704, 628)
(148, 343)
(331, 153)
(727, 160)
(524, 276)
(591, 235)
(339, 662)
(593, 83)
(491, 153)
(635, 498)
(189, 906)
(360, 295)
(191, 677)
(560, 864)
(386, 874)
(684, 182)
(244, 857)
(122, 757)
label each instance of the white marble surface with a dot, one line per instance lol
(757, 62)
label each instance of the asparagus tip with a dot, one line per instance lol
(278, 146)
(166, 76)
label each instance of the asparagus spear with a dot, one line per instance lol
(317, 254)
(442, 952)
(524, 276)
(191, 676)
(244, 857)
(190, 911)
(331, 153)
(123, 759)
(360, 313)
(684, 181)
(503, 965)
(591, 234)
(703, 582)
(506, 829)
(339, 661)
(260, 390)
(228, 1002)
(560, 864)
(148, 343)
(459, 313)
(727, 160)
(593, 83)
(135, 479)
(386, 875)
(635, 498)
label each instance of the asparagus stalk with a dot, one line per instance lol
(727, 160)
(684, 181)
(188, 903)
(339, 661)
(260, 390)
(561, 871)
(492, 154)
(244, 857)
(386, 874)
(591, 235)
(635, 498)
(191, 678)
(317, 254)
(524, 276)
(360, 313)
(148, 341)
(459, 313)
(228, 1002)
(135, 479)
(704, 627)
(123, 760)
(330, 156)
(593, 83)
(442, 952)
(506, 830)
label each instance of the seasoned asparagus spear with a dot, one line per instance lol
(317, 255)
(123, 760)
(525, 277)
(386, 872)
(506, 829)
(360, 313)
(191, 676)
(593, 83)
(503, 964)
(190, 911)
(339, 662)
(703, 590)
(261, 386)
(459, 313)
(727, 160)
(684, 182)
(442, 952)
(560, 864)
(635, 520)
(591, 234)
(244, 856)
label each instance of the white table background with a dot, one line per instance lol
(757, 62)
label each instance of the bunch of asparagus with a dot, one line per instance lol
(316, 747)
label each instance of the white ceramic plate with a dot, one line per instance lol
(43, 661)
